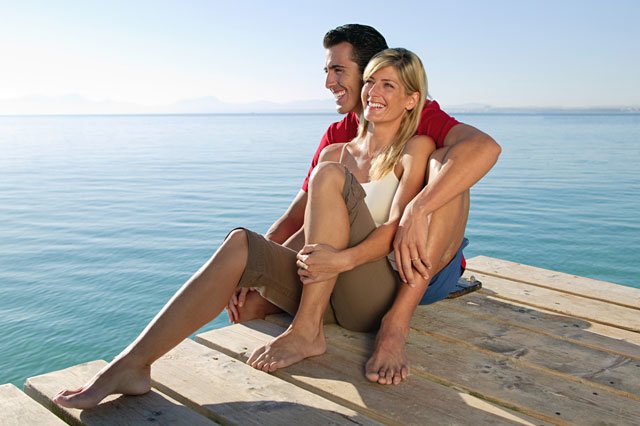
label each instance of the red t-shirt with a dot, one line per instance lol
(434, 122)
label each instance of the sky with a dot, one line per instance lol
(502, 53)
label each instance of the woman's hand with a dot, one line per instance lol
(320, 262)
(237, 301)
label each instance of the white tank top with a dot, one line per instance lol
(380, 194)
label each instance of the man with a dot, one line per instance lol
(430, 237)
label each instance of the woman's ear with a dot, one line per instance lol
(412, 101)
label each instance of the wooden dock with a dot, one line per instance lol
(532, 347)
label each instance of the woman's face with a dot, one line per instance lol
(384, 98)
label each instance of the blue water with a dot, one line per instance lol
(103, 218)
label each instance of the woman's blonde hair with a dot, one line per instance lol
(413, 79)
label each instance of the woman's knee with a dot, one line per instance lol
(328, 174)
(237, 240)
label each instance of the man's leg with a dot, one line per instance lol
(388, 363)
(199, 300)
(326, 222)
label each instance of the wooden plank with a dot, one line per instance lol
(572, 361)
(230, 391)
(508, 382)
(563, 303)
(513, 314)
(153, 408)
(502, 380)
(338, 375)
(572, 284)
(19, 410)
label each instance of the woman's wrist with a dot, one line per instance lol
(348, 259)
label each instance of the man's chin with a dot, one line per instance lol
(342, 109)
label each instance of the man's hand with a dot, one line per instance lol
(320, 262)
(237, 301)
(410, 245)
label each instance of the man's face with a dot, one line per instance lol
(343, 78)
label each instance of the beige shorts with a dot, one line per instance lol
(361, 296)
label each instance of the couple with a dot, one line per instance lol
(366, 195)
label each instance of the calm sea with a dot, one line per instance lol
(103, 218)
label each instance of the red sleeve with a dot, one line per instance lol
(325, 141)
(435, 123)
(342, 131)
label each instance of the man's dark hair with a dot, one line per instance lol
(366, 41)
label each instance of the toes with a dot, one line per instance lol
(372, 376)
(382, 379)
(255, 355)
(65, 398)
(397, 378)
(67, 392)
(370, 372)
(390, 374)
(404, 372)
(69, 401)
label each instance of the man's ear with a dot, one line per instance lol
(412, 101)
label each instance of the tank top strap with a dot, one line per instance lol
(342, 152)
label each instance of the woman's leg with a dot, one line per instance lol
(326, 222)
(199, 301)
(388, 363)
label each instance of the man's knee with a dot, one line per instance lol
(436, 162)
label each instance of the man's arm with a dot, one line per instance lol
(290, 222)
(471, 154)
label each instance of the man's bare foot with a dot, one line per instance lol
(114, 378)
(290, 347)
(388, 363)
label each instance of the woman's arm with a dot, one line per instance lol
(323, 261)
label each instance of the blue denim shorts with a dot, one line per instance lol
(446, 280)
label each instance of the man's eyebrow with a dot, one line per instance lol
(333, 67)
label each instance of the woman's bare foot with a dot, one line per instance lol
(117, 377)
(290, 347)
(388, 363)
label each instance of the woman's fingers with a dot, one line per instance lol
(407, 267)
(242, 295)
(417, 262)
(419, 266)
(232, 311)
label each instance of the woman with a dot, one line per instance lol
(343, 231)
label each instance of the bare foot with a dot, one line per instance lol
(114, 378)
(388, 363)
(290, 347)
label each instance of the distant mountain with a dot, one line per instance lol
(68, 104)
(213, 105)
(477, 108)
(76, 105)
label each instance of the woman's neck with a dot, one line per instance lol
(379, 136)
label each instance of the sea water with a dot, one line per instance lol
(102, 218)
